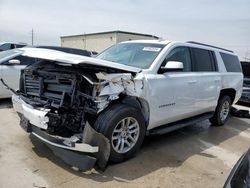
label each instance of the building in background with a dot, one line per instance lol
(100, 41)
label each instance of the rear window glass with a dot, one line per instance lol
(203, 60)
(231, 62)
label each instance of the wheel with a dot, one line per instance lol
(222, 111)
(124, 126)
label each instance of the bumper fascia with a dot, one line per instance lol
(35, 120)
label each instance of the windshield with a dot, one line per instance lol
(140, 55)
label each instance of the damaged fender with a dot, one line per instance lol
(93, 138)
(120, 83)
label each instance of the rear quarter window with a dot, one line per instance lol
(231, 62)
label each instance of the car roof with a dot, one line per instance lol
(188, 43)
(149, 41)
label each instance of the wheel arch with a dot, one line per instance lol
(136, 102)
(229, 92)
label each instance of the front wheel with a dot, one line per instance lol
(222, 111)
(124, 126)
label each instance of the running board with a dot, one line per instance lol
(179, 124)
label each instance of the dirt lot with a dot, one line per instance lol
(196, 156)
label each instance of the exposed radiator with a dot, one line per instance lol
(49, 88)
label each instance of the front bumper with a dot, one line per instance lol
(94, 147)
(33, 120)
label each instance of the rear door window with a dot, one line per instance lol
(203, 60)
(231, 62)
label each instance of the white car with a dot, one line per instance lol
(104, 106)
(11, 45)
(13, 61)
(11, 64)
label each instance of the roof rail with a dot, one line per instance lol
(193, 42)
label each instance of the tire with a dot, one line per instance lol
(112, 124)
(218, 119)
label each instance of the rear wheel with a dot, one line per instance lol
(124, 126)
(222, 111)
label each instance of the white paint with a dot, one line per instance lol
(35, 116)
(171, 96)
(120, 83)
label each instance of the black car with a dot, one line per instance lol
(68, 50)
(245, 97)
(240, 175)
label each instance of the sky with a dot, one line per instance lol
(224, 23)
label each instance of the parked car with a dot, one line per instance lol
(245, 97)
(10, 45)
(69, 50)
(240, 175)
(104, 106)
(12, 62)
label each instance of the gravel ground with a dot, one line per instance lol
(196, 156)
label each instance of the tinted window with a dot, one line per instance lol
(231, 62)
(68, 50)
(20, 45)
(180, 54)
(25, 60)
(203, 60)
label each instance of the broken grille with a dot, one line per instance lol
(50, 88)
(32, 86)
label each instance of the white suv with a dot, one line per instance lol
(104, 106)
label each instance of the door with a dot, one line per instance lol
(208, 77)
(173, 94)
(11, 74)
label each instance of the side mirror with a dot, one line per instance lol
(14, 62)
(172, 66)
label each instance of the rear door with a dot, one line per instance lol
(208, 79)
(11, 74)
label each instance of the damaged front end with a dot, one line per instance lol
(59, 103)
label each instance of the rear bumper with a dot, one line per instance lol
(35, 122)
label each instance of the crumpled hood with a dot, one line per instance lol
(63, 57)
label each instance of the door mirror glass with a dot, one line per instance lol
(14, 62)
(172, 66)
